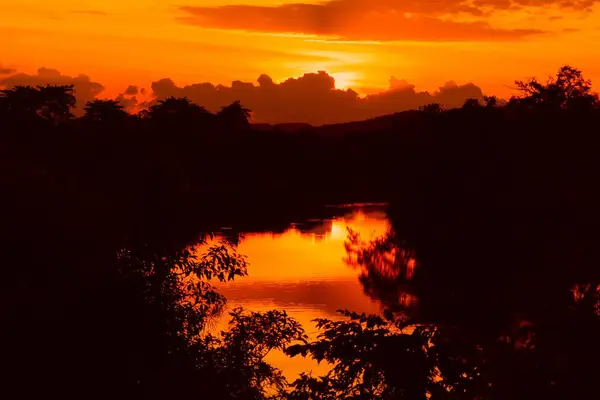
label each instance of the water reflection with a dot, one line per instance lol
(304, 271)
(384, 268)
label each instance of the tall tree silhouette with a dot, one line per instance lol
(105, 111)
(20, 102)
(57, 102)
(51, 103)
(235, 116)
(177, 110)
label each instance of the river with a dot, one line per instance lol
(303, 271)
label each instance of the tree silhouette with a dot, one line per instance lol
(20, 102)
(166, 299)
(238, 356)
(372, 358)
(569, 89)
(471, 104)
(176, 108)
(484, 279)
(105, 111)
(490, 101)
(51, 103)
(432, 108)
(57, 102)
(235, 116)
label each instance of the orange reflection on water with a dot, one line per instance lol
(303, 272)
(308, 254)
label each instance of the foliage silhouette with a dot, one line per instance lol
(490, 101)
(235, 116)
(105, 111)
(568, 90)
(172, 107)
(484, 346)
(489, 275)
(471, 103)
(372, 359)
(51, 103)
(238, 357)
(431, 108)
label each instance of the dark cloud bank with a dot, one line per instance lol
(311, 98)
(382, 20)
(6, 70)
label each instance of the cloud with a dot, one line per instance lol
(85, 89)
(131, 90)
(130, 103)
(385, 20)
(129, 99)
(396, 84)
(313, 98)
(6, 71)
(402, 96)
(574, 5)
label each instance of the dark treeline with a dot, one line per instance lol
(489, 277)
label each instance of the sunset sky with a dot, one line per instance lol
(362, 43)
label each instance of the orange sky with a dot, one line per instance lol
(362, 43)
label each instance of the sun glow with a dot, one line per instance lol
(338, 230)
(344, 80)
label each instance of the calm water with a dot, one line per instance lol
(303, 272)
